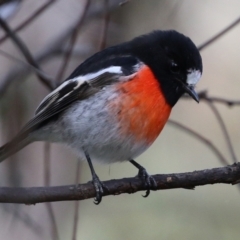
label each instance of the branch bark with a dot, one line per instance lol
(228, 175)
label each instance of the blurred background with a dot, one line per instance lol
(52, 30)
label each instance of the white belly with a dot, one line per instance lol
(88, 125)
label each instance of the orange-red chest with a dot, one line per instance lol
(142, 110)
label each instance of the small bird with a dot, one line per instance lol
(115, 104)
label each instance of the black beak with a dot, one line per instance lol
(190, 90)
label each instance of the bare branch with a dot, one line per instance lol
(24, 50)
(228, 175)
(54, 48)
(204, 95)
(225, 101)
(224, 130)
(73, 39)
(30, 19)
(201, 138)
(105, 26)
(209, 100)
(19, 72)
(220, 34)
(25, 218)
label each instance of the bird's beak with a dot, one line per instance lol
(190, 90)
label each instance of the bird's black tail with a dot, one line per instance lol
(19, 142)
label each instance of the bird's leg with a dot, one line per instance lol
(95, 180)
(147, 179)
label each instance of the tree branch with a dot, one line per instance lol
(202, 139)
(204, 95)
(224, 130)
(106, 19)
(30, 19)
(27, 54)
(228, 175)
(19, 72)
(219, 35)
(73, 39)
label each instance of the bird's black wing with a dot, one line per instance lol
(100, 70)
(67, 93)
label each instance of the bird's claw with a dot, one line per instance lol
(148, 180)
(99, 186)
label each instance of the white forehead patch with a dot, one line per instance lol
(193, 76)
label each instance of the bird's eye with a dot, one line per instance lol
(174, 67)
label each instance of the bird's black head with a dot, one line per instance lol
(174, 60)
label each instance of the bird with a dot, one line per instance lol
(115, 103)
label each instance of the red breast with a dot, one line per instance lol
(142, 107)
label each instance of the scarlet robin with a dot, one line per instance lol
(115, 104)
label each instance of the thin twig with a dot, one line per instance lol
(76, 206)
(220, 34)
(25, 218)
(103, 41)
(24, 50)
(30, 19)
(23, 70)
(24, 63)
(73, 39)
(201, 138)
(203, 95)
(47, 170)
(209, 100)
(19, 73)
(225, 101)
(227, 175)
(224, 130)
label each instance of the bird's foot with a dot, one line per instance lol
(148, 181)
(99, 187)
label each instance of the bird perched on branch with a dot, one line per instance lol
(115, 104)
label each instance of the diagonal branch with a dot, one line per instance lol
(24, 50)
(201, 138)
(220, 34)
(224, 130)
(228, 175)
(54, 48)
(34, 15)
(23, 70)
